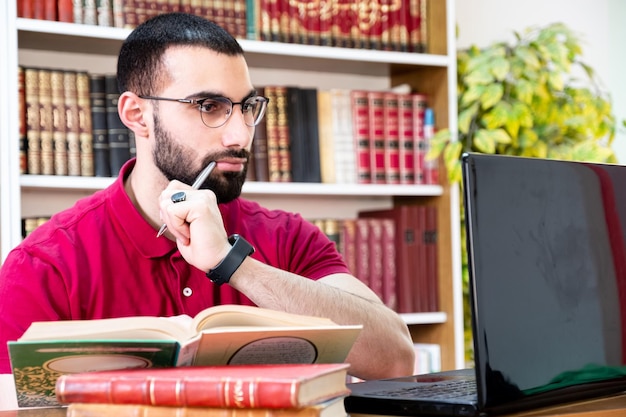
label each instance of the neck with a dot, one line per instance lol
(145, 194)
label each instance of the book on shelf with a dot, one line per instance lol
(85, 127)
(220, 335)
(21, 100)
(45, 122)
(59, 123)
(117, 132)
(259, 147)
(361, 133)
(330, 408)
(72, 122)
(326, 141)
(375, 106)
(33, 134)
(97, 101)
(391, 152)
(271, 132)
(420, 103)
(406, 145)
(272, 386)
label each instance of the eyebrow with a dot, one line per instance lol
(213, 94)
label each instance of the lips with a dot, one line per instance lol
(234, 164)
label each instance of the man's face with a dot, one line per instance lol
(183, 145)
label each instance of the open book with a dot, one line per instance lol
(220, 335)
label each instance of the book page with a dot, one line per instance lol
(248, 316)
(138, 328)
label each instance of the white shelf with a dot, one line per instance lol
(42, 34)
(52, 182)
(436, 317)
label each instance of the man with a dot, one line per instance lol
(188, 98)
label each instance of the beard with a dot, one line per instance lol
(175, 162)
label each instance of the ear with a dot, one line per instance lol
(132, 113)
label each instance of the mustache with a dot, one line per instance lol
(233, 153)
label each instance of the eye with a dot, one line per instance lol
(210, 106)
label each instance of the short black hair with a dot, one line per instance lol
(139, 61)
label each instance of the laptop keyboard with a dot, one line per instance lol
(461, 389)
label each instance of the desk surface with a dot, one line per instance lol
(612, 406)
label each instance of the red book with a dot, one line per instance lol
(406, 258)
(392, 138)
(406, 152)
(347, 237)
(65, 11)
(421, 293)
(388, 241)
(362, 250)
(234, 386)
(50, 10)
(376, 104)
(432, 271)
(361, 133)
(375, 256)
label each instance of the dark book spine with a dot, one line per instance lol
(102, 166)
(284, 139)
(311, 125)
(85, 128)
(117, 132)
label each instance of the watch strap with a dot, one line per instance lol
(239, 251)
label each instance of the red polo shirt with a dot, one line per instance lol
(101, 259)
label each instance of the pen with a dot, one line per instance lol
(196, 184)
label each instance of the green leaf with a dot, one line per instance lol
(527, 138)
(524, 91)
(492, 94)
(521, 112)
(498, 116)
(480, 76)
(500, 136)
(472, 94)
(437, 144)
(555, 80)
(528, 57)
(483, 142)
(500, 68)
(465, 118)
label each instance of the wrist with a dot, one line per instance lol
(239, 251)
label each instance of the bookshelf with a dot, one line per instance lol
(93, 48)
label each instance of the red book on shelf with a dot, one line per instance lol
(392, 138)
(362, 250)
(406, 258)
(421, 293)
(432, 271)
(361, 132)
(376, 104)
(388, 241)
(66, 11)
(375, 256)
(234, 386)
(406, 157)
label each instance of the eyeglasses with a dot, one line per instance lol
(215, 111)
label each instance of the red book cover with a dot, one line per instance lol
(65, 11)
(376, 104)
(234, 386)
(405, 134)
(432, 270)
(414, 26)
(39, 9)
(419, 139)
(392, 138)
(325, 22)
(50, 10)
(25, 8)
(362, 249)
(375, 256)
(361, 132)
(405, 243)
(347, 237)
(401, 42)
(388, 240)
(422, 289)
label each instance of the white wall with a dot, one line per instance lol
(599, 24)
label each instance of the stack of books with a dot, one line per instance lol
(282, 390)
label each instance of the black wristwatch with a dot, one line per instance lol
(226, 268)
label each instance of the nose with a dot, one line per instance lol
(235, 131)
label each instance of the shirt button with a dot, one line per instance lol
(187, 292)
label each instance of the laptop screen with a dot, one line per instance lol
(546, 253)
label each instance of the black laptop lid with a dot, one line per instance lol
(548, 273)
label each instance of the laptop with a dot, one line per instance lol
(547, 267)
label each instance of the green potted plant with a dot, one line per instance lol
(533, 98)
